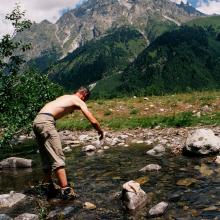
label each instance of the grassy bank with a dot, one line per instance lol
(199, 108)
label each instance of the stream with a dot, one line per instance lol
(190, 185)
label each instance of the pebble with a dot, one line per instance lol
(89, 205)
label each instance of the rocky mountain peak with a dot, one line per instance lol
(95, 17)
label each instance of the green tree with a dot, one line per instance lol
(22, 92)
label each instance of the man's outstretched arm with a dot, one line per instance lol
(93, 121)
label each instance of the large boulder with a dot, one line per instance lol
(203, 142)
(133, 196)
(8, 200)
(16, 162)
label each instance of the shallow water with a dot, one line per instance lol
(99, 178)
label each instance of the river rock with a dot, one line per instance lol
(133, 196)
(158, 150)
(84, 138)
(67, 149)
(16, 162)
(100, 151)
(115, 141)
(123, 136)
(27, 216)
(106, 147)
(72, 143)
(8, 200)
(135, 141)
(89, 205)
(203, 142)
(150, 167)
(60, 213)
(158, 209)
(217, 160)
(149, 142)
(89, 148)
(5, 217)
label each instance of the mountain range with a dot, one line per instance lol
(93, 18)
(128, 47)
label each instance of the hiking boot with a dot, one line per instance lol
(67, 193)
(52, 190)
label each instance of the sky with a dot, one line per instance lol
(206, 6)
(38, 10)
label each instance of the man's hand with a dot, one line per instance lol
(101, 135)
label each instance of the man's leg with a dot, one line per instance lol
(61, 175)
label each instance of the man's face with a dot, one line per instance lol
(84, 96)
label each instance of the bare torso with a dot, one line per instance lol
(63, 105)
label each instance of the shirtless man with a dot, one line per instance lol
(48, 139)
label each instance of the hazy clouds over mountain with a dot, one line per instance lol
(36, 10)
(51, 10)
(205, 6)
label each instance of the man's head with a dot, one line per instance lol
(83, 93)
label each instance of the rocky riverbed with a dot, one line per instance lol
(172, 139)
(173, 186)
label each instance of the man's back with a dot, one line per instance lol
(63, 105)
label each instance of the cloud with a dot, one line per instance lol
(36, 10)
(206, 6)
(209, 7)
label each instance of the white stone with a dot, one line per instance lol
(131, 186)
(67, 149)
(16, 162)
(27, 216)
(106, 147)
(123, 136)
(158, 150)
(100, 151)
(217, 160)
(89, 205)
(158, 209)
(115, 141)
(135, 141)
(133, 196)
(149, 142)
(202, 141)
(88, 148)
(84, 138)
(150, 167)
(8, 200)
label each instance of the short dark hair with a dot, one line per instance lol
(84, 90)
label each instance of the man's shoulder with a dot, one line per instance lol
(79, 102)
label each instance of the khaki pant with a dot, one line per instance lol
(49, 142)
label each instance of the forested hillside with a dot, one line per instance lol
(99, 59)
(182, 60)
